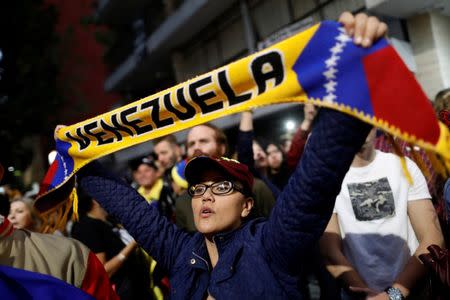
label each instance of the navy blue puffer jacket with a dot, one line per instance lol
(261, 259)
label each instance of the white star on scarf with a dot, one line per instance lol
(330, 98)
(343, 38)
(337, 48)
(329, 74)
(331, 63)
(330, 86)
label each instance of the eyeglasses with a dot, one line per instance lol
(217, 188)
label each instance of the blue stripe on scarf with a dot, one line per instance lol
(349, 82)
(65, 163)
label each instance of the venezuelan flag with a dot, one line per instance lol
(320, 65)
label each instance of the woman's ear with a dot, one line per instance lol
(247, 206)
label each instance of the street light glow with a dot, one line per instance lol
(289, 125)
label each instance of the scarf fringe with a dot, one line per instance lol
(400, 154)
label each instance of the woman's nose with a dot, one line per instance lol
(208, 195)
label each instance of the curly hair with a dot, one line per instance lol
(442, 100)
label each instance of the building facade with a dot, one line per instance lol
(161, 43)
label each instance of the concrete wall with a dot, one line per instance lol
(441, 33)
(334, 9)
(429, 35)
(430, 40)
(269, 16)
(225, 40)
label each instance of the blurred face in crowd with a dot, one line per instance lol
(274, 156)
(20, 215)
(168, 154)
(219, 213)
(202, 140)
(145, 175)
(259, 156)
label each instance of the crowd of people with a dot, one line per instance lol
(339, 201)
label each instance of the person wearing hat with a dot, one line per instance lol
(233, 256)
(145, 174)
(221, 191)
(47, 266)
(151, 186)
(208, 139)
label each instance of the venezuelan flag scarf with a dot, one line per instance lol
(320, 65)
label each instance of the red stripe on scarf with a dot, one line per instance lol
(48, 179)
(415, 114)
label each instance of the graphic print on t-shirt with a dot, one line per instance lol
(372, 200)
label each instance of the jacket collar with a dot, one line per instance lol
(229, 246)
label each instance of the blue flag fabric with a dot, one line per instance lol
(22, 284)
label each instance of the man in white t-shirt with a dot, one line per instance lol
(380, 225)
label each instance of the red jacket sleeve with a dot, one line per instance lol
(96, 282)
(296, 150)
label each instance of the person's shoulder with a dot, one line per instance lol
(394, 157)
(51, 237)
(251, 234)
(258, 183)
(58, 242)
(387, 157)
(253, 227)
